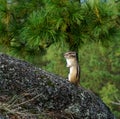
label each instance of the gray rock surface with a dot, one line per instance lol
(28, 92)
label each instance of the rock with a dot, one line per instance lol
(30, 92)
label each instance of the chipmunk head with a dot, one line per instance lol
(71, 58)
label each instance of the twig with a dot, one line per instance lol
(116, 103)
(27, 101)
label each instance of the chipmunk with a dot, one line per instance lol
(72, 63)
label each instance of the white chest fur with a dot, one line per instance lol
(70, 62)
(73, 73)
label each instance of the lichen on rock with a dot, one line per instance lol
(28, 90)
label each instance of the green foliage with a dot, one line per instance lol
(101, 26)
(35, 25)
(100, 65)
(41, 31)
(55, 61)
(110, 95)
(48, 26)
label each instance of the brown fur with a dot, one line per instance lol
(72, 63)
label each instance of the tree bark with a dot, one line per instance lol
(28, 92)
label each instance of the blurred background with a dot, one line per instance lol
(41, 31)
